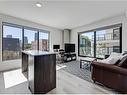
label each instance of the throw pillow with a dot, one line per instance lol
(123, 62)
(125, 52)
(123, 56)
(112, 59)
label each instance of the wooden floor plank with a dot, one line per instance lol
(70, 84)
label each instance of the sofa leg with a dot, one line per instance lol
(94, 81)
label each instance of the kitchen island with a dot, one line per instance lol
(40, 69)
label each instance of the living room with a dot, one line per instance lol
(88, 39)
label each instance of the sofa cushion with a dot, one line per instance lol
(123, 62)
(117, 62)
(125, 52)
(123, 56)
(112, 59)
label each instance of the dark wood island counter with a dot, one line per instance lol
(40, 69)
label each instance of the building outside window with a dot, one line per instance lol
(30, 39)
(12, 43)
(87, 44)
(43, 41)
(105, 43)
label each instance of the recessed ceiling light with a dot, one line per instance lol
(38, 4)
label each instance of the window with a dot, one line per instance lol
(87, 44)
(101, 42)
(43, 41)
(30, 39)
(12, 42)
(107, 42)
(17, 38)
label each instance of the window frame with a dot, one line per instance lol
(95, 31)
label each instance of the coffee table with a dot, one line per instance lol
(86, 62)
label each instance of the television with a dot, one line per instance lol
(56, 46)
(69, 48)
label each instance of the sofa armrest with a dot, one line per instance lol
(109, 67)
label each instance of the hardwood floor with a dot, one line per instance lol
(70, 84)
(66, 84)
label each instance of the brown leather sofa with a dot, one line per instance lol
(112, 76)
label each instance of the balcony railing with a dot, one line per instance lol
(107, 36)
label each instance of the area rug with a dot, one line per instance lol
(73, 67)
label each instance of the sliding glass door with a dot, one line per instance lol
(101, 42)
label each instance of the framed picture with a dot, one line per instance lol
(116, 34)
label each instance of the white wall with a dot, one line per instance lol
(55, 37)
(106, 22)
(66, 36)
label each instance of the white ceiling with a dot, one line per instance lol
(63, 13)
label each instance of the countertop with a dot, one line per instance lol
(37, 52)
